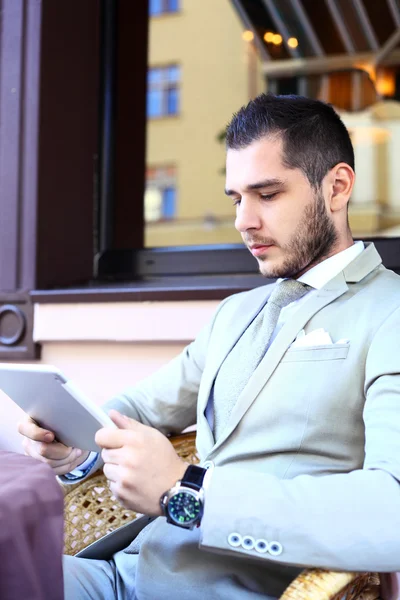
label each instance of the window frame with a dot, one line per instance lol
(165, 86)
(207, 260)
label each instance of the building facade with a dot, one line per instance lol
(200, 71)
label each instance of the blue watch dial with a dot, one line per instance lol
(184, 507)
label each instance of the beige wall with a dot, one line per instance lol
(205, 39)
(104, 348)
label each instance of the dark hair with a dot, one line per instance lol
(314, 137)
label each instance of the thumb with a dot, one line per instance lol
(122, 421)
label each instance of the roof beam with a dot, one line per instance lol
(307, 27)
(394, 9)
(340, 25)
(281, 27)
(388, 46)
(326, 64)
(366, 24)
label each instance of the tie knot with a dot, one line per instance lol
(288, 291)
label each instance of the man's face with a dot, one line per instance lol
(281, 218)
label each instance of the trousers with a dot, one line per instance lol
(86, 579)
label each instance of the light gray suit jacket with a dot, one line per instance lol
(310, 458)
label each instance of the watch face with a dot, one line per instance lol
(184, 507)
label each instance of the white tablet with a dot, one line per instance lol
(55, 403)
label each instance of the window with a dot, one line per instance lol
(160, 194)
(161, 7)
(163, 91)
(204, 79)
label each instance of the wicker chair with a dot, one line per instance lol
(91, 512)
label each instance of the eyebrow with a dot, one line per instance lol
(267, 183)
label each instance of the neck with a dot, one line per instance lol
(341, 244)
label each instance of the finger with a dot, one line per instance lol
(111, 472)
(108, 437)
(57, 451)
(124, 422)
(113, 457)
(54, 450)
(114, 487)
(34, 451)
(31, 430)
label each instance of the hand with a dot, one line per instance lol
(140, 463)
(39, 443)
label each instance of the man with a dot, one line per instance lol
(295, 389)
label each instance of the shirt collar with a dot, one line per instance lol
(326, 270)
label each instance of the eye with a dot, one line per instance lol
(236, 202)
(268, 196)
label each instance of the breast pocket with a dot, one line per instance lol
(314, 353)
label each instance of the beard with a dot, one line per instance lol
(313, 240)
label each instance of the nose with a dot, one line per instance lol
(247, 216)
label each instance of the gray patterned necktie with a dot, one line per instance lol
(247, 353)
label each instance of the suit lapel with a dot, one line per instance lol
(205, 439)
(285, 337)
(232, 336)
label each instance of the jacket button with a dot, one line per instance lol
(275, 548)
(208, 464)
(261, 546)
(248, 542)
(235, 539)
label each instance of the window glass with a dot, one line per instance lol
(154, 103)
(168, 202)
(159, 7)
(152, 204)
(156, 7)
(160, 194)
(215, 56)
(173, 74)
(154, 76)
(172, 101)
(173, 5)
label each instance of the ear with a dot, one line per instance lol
(342, 178)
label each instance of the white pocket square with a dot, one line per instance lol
(318, 337)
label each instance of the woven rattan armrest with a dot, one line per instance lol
(91, 511)
(316, 584)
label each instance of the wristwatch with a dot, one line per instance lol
(183, 504)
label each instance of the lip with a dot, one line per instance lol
(258, 250)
